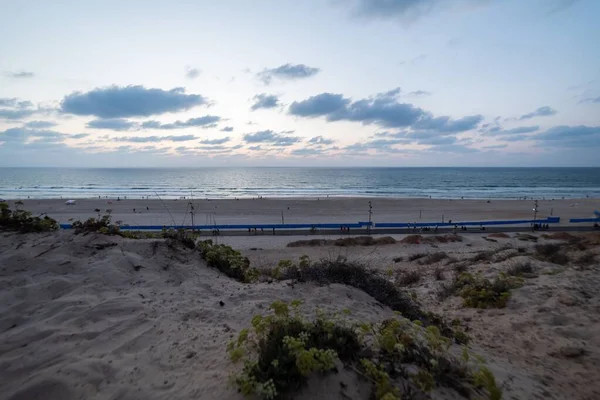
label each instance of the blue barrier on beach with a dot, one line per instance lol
(597, 213)
(549, 220)
(361, 224)
(580, 220)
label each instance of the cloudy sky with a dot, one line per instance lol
(300, 83)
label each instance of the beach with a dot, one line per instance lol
(317, 210)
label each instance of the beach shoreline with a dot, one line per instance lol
(303, 210)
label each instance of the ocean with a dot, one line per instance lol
(469, 183)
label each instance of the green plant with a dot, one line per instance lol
(281, 350)
(101, 224)
(479, 292)
(22, 221)
(551, 252)
(438, 273)
(228, 261)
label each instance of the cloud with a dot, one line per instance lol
(40, 124)
(453, 148)
(420, 93)
(191, 73)
(498, 131)
(383, 110)
(154, 139)
(79, 136)
(14, 109)
(447, 125)
(207, 121)
(115, 124)
(20, 75)
(415, 60)
(496, 146)
(591, 100)
(271, 138)
(405, 10)
(264, 100)
(571, 136)
(227, 129)
(255, 148)
(287, 72)
(320, 140)
(24, 137)
(545, 111)
(129, 101)
(216, 141)
(307, 152)
(561, 5)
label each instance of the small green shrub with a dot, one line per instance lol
(22, 221)
(101, 224)
(479, 292)
(482, 256)
(228, 261)
(438, 274)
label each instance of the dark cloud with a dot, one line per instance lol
(255, 148)
(571, 136)
(384, 110)
(447, 125)
(264, 100)
(192, 73)
(115, 124)
(545, 111)
(24, 136)
(320, 140)
(272, 138)
(405, 10)
(216, 141)
(307, 152)
(40, 124)
(154, 139)
(324, 104)
(498, 131)
(79, 136)
(14, 109)
(207, 121)
(561, 5)
(591, 100)
(20, 75)
(129, 101)
(287, 72)
(420, 93)
(453, 148)
(227, 129)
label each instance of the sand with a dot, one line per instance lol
(327, 210)
(103, 317)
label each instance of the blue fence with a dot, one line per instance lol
(581, 220)
(358, 225)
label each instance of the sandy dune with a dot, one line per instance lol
(102, 317)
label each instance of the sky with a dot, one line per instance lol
(330, 83)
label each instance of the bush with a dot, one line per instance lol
(482, 256)
(228, 261)
(551, 252)
(434, 258)
(438, 273)
(289, 350)
(99, 224)
(416, 256)
(340, 271)
(586, 259)
(281, 350)
(479, 292)
(407, 278)
(523, 268)
(22, 221)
